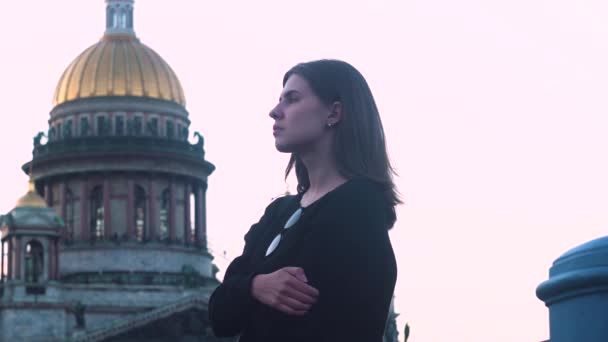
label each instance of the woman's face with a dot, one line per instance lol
(300, 117)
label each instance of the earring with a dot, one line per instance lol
(329, 125)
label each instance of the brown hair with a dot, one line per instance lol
(359, 146)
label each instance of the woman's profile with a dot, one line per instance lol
(319, 265)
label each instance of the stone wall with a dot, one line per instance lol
(125, 296)
(96, 320)
(106, 304)
(132, 257)
(32, 324)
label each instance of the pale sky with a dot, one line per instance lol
(495, 114)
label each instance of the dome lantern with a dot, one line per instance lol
(119, 18)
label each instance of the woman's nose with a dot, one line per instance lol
(274, 113)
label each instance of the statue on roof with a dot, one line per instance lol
(200, 142)
(38, 138)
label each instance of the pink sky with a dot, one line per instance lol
(495, 115)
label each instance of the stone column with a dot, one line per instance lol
(204, 213)
(172, 222)
(130, 208)
(197, 212)
(9, 264)
(62, 207)
(56, 257)
(85, 230)
(51, 260)
(2, 268)
(107, 211)
(187, 226)
(62, 204)
(201, 219)
(48, 196)
(153, 209)
(17, 257)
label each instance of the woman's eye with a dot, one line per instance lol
(289, 99)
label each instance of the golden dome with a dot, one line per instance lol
(31, 198)
(118, 65)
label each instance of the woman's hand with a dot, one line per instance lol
(285, 290)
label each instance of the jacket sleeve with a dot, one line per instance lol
(357, 272)
(231, 303)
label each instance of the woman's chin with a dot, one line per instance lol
(282, 147)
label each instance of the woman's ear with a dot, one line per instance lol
(335, 113)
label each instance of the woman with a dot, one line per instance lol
(319, 265)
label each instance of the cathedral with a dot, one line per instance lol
(110, 241)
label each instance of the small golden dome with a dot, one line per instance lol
(118, 65)
(31, 198)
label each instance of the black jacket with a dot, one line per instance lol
(341, 241)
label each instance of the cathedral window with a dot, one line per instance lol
(129, 17)
(123, 18)
(164, 214)
(140, 213)
(110, 17)
(152, 127)
(84, 126)
(97, 215)
(34, 258)
(170, 129)
(69, 213)
(103, 126)
(4, 259)
(120, 125)
(67, 129)
(114, 19)
(137, 125)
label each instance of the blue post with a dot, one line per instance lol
(577, 294)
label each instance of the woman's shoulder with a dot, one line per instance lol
(361, 190)
(359, 196)
(359, 206)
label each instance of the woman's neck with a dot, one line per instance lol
(323, 173)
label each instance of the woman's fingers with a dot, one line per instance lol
(295, 304)
(301, 283)
(304, 288)
(291, 290)
(286, 309)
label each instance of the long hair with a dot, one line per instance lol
(359, 145)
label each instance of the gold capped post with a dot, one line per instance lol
(31, 197)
